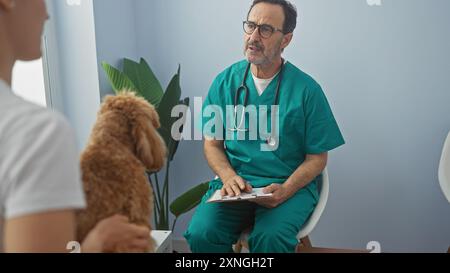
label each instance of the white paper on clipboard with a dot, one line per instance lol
(256, 193)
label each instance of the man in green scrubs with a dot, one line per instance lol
(307, 131)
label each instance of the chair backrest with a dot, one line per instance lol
(444, 169)
(323, 185)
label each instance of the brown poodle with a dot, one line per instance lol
(123, 145)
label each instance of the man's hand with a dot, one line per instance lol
(234, 185)
(305, 173)
(280, 194)
(116, 231)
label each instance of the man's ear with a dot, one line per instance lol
(286, 40)
(7, 5)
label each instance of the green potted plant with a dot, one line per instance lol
(139, 77)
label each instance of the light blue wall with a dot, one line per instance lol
(116, 35)
(385, 72)
(72, 79)
(77, 42)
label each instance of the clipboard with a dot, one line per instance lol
(245, 196)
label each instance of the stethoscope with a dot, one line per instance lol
(271, 141)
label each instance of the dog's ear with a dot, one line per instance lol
(150, 147)
(155, 118)
(160, 151)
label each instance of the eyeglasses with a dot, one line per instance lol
(266, 31)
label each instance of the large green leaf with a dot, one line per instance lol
(189, 200)
(170, 99)
(118, 80)
(144, 79)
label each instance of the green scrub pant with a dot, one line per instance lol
(215, 227)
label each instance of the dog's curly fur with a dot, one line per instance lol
(124, 144)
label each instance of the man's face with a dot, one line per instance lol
(259, 50)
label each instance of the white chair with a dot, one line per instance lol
(303, 236)
(444, 169)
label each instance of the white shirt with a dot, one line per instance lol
(39, 163)
(262, 84)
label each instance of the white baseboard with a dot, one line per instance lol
(180, 245)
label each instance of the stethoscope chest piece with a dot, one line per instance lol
(271, 141)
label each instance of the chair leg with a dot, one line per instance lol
(304, 245)
(245, 245)
(306, 242)
(448, 251)
(238, 247)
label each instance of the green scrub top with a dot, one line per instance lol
(306, 124)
